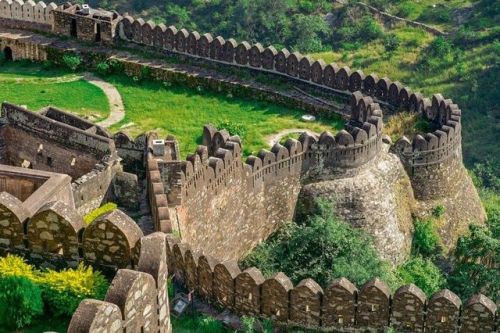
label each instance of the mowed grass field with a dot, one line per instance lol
(182, 112)
(175, 110)
(30, 84)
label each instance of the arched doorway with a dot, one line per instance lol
(7, 53)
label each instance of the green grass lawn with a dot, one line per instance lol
(183, 111)
(31, 85)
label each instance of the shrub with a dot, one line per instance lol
(233, 128)
(248, 324)
(438, 211)
(106, 208)
(72, 61)
(16, 266)
(20, 301)
(115, 66)
(103, 68)
(423, 273)
(391, 42)
(64, 290)
(426, 240)
(477, 258)
(438, 14)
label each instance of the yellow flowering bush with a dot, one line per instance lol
(62, 291)
(16, 266)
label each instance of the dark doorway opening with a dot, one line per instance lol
(73, 28)
(7, 52)
(98, 32)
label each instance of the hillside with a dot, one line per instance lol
(463, 64)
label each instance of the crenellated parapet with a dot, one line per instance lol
(136, 300)
(435, 155)
(27, 14)
(57, 234)
(340, 306)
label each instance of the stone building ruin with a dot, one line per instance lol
(56, 167)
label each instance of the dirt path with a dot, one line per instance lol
(275, 138)
(117, 110)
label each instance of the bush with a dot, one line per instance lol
(233, 128)
(477, 258)
(64, 290)
(438, 211)
(248, 323)
(438, 14)
(391, 42)
(106, 208)
(426, 240)
(103, 68)
(423, 273)
(71, 61)
(20, 302)
(16, 266)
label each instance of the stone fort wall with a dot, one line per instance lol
(55, 141)
(136, 301)
(56, 234)
(340, 306)
(213, 195)
(213, 171)
(19, 14)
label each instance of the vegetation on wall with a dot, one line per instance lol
(106, 208)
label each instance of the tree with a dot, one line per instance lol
(477, 267)
(310, 31)
(323, 248)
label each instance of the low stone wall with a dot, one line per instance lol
(136, 301)
(339, 307)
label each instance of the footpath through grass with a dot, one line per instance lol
(32, 85)
(182, 112)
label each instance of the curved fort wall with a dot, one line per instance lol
(340, 306)
(213, 194)
(216, 175)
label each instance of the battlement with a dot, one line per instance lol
(55, 233)
(21, 14)
(339, 306)
(136, 301)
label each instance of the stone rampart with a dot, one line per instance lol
(19, 14)
(32, 132)
(340, 306)
(213, 194)
(56, 234)
(136, 301)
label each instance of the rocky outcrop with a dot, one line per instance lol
(378, 199)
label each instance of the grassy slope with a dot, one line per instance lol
(467, 82)
(183, 112)
(27, 84)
